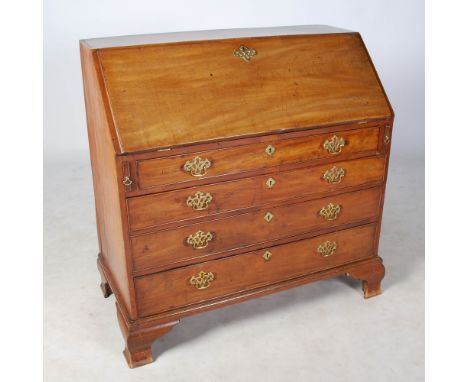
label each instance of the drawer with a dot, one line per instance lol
(185, 168)
(197, 241)
(202, 282)
(197, 202)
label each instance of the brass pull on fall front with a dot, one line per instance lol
(199, 201)
(330, 212)
(334, 175)
(327, 249)
(197, 166)
(200, 239)
(334, 144)
(202, 280)
(245, 53)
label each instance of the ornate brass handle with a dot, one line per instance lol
(327, 249)
(334, 144)
(199, 201)
(202, 280)
(197, 166)
(330, 212)
(200, 239)
(334, 175)
(245, 53)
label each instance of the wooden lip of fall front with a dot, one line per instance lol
(189, 92)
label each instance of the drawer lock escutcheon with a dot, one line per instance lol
(334, 175)
(334, 144)
(197, 166)
(330, 212)
(270, 182)
(200, 239)
(327, 249)
(202, 280)
(199, 201)
(268, 217)
(267, 255)
(270, 150)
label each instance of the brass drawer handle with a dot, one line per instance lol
(334, 144)
(330, 212)
(200, 239)
(202, 280)
(127, 181)
(197, 166)
(334, 175)
(245, 53)
(327, 249)
(199, 201)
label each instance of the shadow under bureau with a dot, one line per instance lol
(232, 164)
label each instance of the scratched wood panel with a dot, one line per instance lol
(172, 94)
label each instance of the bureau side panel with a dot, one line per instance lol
(108, 201)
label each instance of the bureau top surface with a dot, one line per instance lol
(163, 92)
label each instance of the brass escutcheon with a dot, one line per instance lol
(334, 144)
(200, 239)
(268, 217)
(245, 53)
(330, 212)
(334, 175)
(267, 255)
(270, 182)
(202, 280)
(270, 150)
(197, 166)
(327, 249)
(199, 201)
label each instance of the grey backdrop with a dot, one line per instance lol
(393, 31)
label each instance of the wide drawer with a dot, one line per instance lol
(194, 242)
(185, 168)
(197, 202)
(201, 282)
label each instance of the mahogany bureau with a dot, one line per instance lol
(232, 164)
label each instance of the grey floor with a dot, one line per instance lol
(320, 332)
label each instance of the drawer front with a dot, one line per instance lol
(196, 202)
(201, 282)
(214, 163)
(194, 242)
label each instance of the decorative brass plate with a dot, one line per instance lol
(200, 239)
(199, 201)
(330, 212)
(268, 217)
(270, 150)
(334, 175)
(327, 249)
(202, 280)
(197, 166)
(270, 182)
(334, 144)
(267, 255)
(245, 53)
